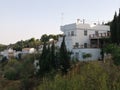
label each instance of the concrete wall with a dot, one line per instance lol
(93, 51)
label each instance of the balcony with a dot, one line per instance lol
(99, 35)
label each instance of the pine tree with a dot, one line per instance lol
(64, 58)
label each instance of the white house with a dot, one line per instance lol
(8, 53)
(28, 50)
(82, 38)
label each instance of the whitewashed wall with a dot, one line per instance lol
(95, 52)
(81, 39)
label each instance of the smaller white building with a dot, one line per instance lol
(28, 50)
(8, 53)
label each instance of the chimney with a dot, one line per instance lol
(103, 23)
(78, 21)
(83, 21)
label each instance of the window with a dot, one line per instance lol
(77, 44)
(68, 33)
(96, 33)
(85, 45)
(77, 55)
(85, 32)
(72, 33)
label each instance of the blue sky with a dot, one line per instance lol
(24, 19)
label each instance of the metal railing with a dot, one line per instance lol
(99, 35)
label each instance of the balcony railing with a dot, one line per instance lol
(99, 35)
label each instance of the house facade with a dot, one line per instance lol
(81, 38)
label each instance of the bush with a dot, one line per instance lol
(114, 50)
(12, 70)
(86, 55)
(10, 74)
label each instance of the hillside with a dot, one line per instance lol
(86, 76)
(93, 75)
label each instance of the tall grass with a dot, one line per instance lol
(87, 76)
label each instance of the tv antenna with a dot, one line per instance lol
(62, 14)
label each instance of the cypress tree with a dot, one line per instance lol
(48, 59)
(53, 62)
(113, 29)
(118, 28)
(43, 62)
(64, 58)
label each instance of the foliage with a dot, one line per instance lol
(27, 84)
(85, 76)
(43, 61)
(12, 70)
(11, 74)
(64, 58)
(114, 50)
(27, 70)
(47, 59)
(9, 84)
(52, 59)
(109, 48)
(86, 55)
(15, 69)
(30, 43)
(18, 70)
(45, 37)
(115, 29)
(2, 47)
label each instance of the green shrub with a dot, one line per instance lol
(10, 74)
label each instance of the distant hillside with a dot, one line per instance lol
(32, 42)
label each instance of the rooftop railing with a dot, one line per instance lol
(99, 35)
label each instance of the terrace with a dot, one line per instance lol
(99, 35)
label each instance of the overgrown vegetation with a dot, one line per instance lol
(86, 76)
(15, 71)
(23, 69)
(113, 50)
